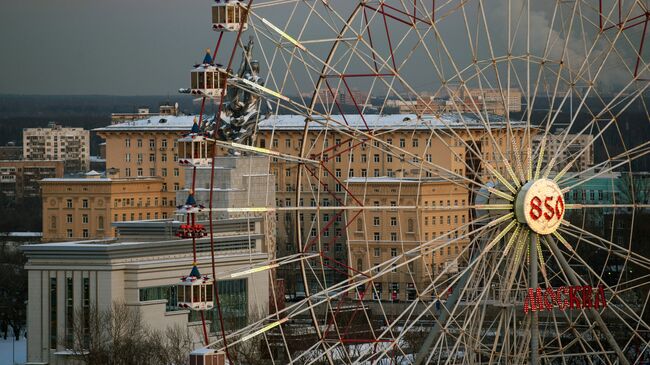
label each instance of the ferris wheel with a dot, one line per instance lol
(457, 182)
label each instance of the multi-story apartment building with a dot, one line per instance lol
(84, 208)
(71, 145)
(147, 147)
(493, 101)
(11, 152)
(403, 147)
(19, 178)
(403, 154)
(576, 150)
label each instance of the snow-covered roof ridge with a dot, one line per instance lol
(297, 122)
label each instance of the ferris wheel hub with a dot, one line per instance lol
(539, 204)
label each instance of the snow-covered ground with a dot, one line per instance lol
(13, 352)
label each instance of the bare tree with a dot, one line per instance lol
(118, 336)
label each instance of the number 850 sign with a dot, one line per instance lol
(540, 205)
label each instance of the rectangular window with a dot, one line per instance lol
(376, 158)
(84, 218)
(68, 203)
(377, 251)
(69, 309)
(85, 233)
(127, 142)
(68, 218)
(84, 203)
(53, 324)
(402, 143)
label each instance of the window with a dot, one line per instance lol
(139, 171)
(376, 172)
(69, 233)
(85, 233)
(364, 173)
(84, 218)
(152, 157)
(68, 203)
(337, 173)
(127, 142)
(276, 143)
(393, 236)
(364, 158)
(69, 218)
(127, 157)
(176, 171)
(376, 158)
(177, 187)
(416, 142)
(287, 143)
(163, 171)
(84, 203)
(163, 143)
(127, 172)
(375, 221)
(402, 142)
(287, 172)
(389, 158)
(53, 312)
(351, 173)
(377, 236)
(393, 221)
(377, 251)
(139, 142)
(163, 157)
(393, 252)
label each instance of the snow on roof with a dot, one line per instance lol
(160, 123)
(297, 122)
(386, 179)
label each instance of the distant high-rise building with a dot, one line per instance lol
(71, 145)
(19, 178)
(566, 149)
(11, 152)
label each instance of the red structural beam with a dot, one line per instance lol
(624, 25)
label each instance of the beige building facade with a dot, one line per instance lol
(402, 147)
(71, 145)
(84, 208)
(412, 217)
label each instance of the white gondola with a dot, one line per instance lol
(227, 15)
(195, 291)
(208, 80)
(195, 150)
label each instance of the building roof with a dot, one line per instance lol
(297, 122)
(98, 179)
(394, 180)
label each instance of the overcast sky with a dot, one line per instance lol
(137, 47)
(123, 47)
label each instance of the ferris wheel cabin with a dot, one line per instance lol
(208, 80)
(195, 291)
(195, 150)
(227, 15)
